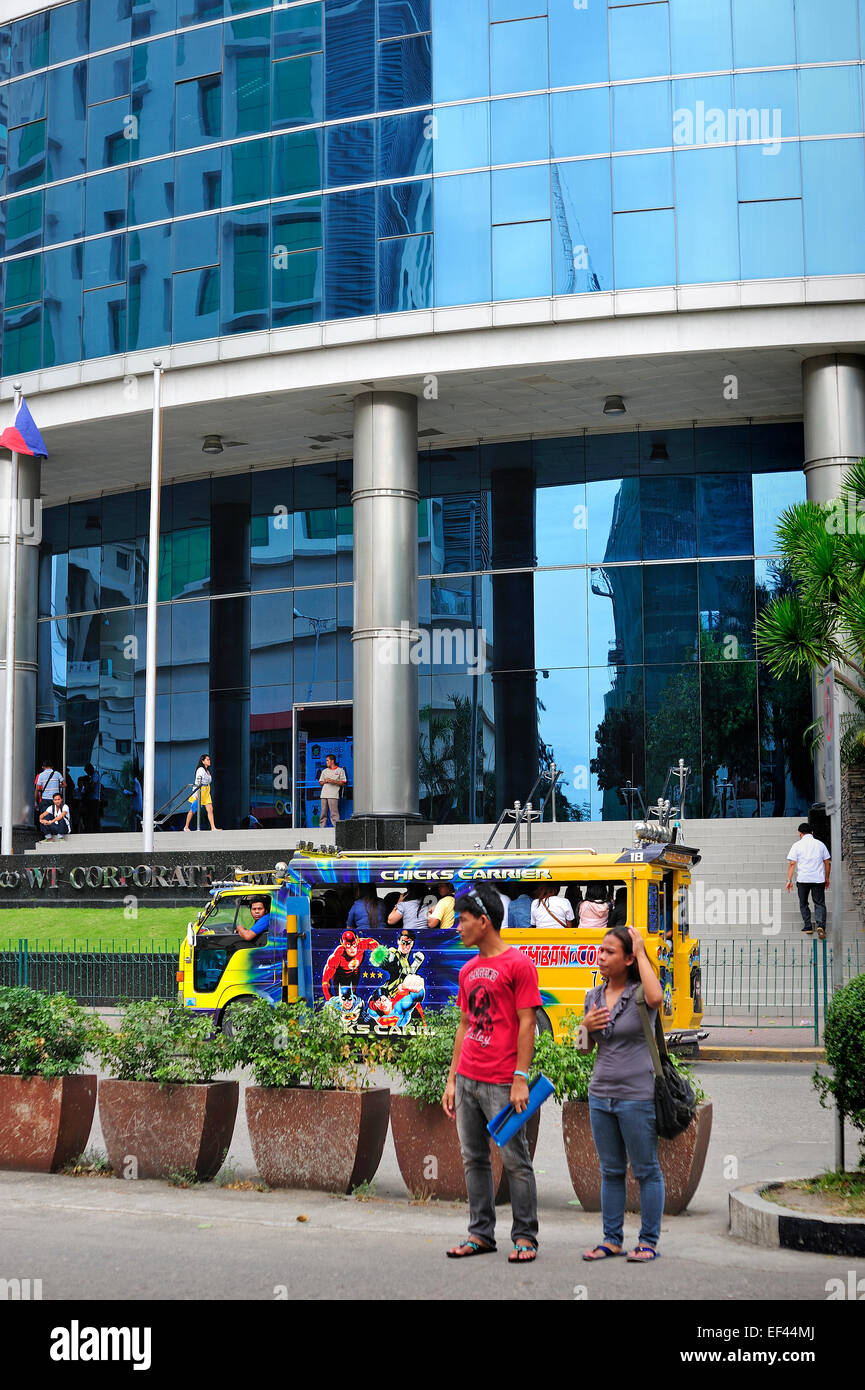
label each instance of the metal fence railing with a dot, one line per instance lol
(772, 984)
(97, 978)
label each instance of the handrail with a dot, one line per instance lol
(172, 805)
(524, 809)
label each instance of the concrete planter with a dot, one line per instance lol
(331, 1141)
(428, 1151)
(682, 1159)
(168, 1129)
(44, 1123)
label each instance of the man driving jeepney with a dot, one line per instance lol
(259, 910)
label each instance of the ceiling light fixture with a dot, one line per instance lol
(212, 444)
(659, 452)
(614, 405)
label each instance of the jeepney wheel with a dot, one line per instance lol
(542, 1023)
(225, 1023)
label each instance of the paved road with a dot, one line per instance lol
(107, 1239)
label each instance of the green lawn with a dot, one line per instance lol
(98, 929)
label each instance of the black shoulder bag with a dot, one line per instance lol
(675, 1102)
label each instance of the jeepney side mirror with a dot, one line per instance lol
(190, 934)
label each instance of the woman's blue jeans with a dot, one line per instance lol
(622, 1130)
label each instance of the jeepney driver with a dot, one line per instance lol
(259, 910)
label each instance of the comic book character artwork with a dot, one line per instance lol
(343, 965)
(396, 1012)
(396, 962)
(346, 1003)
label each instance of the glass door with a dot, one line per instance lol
(318, 731)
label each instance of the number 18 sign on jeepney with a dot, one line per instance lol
(831, 742)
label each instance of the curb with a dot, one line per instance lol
(754, 1219)
(761, 1054)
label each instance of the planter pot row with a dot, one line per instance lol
(331, 1141)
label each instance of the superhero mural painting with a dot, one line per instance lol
(396, 990)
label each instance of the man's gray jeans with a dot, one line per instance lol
(476, 1103)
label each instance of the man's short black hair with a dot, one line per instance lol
(482, 900)
(804, 828)
(265, 902)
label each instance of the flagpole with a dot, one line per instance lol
(9, 694)
(149, 789)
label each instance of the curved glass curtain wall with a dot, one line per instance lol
(353, 157)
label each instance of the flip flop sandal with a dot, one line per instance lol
(523, 1255)
(476, 1249)
(608, 1254)
(642, 1254)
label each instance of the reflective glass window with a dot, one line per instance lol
(246, 172)
(109, 76)
(700, 110)
(824, 34)
(727, 611)
(199, 111)
(706, 194)
(771, 239)
(580, 122)
(30, 43)
(670, 625)
(22, 330)
(763, 35)
(522, 260)
(153, 98)
(724, 450)
(519, 129)
(314, 642)
(297, 90)
(404, 145)
(583, 228)
(830, 101)
(152, 17)
(245, 270)
(26, 156)
(151, 191)
(461, 51)
(673, 728)
(725, 524)
(246, 65)
(196, 243)
(272, 550)
(149, 298)
(64, 211)
(198, 182)
(296, 288)
(578, 43)
(405, 208)
(561, 522)
(773, 494)
(518, 56)
(296, 226)
(271, 650)
(405, 273)
(105, 321)
(198, 52)
(461, 137)
(24, 223)
(69, 31)
(404, 73)
(561, 618)
(639, 41)
(296, 162)
(616, 723)
(615, 615)
(403, 17)
(110, 23)
(563, 727)
(23, 281)
(190, 647)
(701, 35)
(787, 772)
(195, 305)
(122, 580)
(350, 246)
(349, 58)
(613, 514)
(642, 118)
(521, 195)
(350, 153)
(61, 329)
(766, 105)
(67, 121)
(668, 520)
(198, 11)
(184, 567)
(642, 181)
(107, 134)
(296, 30)
(834, 187)
(463, 249)
(767, 171)
(104, 261)
(106, 198)
(27, 100)
(730, 737)
(645, 249)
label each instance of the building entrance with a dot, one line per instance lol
(319, 730)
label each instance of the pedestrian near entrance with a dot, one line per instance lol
(332, 779)
(814, 864)
(203, 782)
(55, 820)
(493, 1048)
(48, 782)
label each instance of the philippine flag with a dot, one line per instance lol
(23, 437)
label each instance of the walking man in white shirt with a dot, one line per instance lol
(332, 779)
(814, 864)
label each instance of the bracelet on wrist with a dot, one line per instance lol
(523, 1074)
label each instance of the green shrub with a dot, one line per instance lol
(423, 1060)
(160, 1040)
(295, 1045)
(844, 1041)
(42, 1034)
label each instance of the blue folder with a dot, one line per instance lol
(505, 1125)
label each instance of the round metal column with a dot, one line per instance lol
(834, 402)
(385, 498)
(27, 587)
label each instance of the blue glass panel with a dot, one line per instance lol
(773, 493)
(404, 145)
(104, 261)
(26, 156)
(645, 249)
(613, 508)
(67, 121)
(24, 223)
(151, 191)
(296, 162)
(727, 610)
(580, 122)
(725, 516)
(296, 289)
(23, 281)
(296, 226)
(830, 101)
(769, 171)
(198, 182)
(519, 130)
(522, 260)
(461, 52)
(29, 44)
(667, 518)
(349, 240)
(349, 57)
(397, 17)
(246, 65)
(64, 211)
(761, 95)
(196, 243)
(701, 35)
(518, 57)
(149, 298)
(105, 321)
(670, 625)
(297, 90)
(296, 31)
(578, 43)
(109, 76)
(105, 201)
(463, 268)
(560, 512)
(245, 270)
(405, 273)
(22, 331)
(350, 153)
(615, 615)
(771, 239)
(700, 107)
(582, 227)
(561, 618)
(642, 116)
(706, 196)
(108, 130)
(826, 33)
(461, 137)
(198, 111)
(195, 307)
(404, 73)
(516, 9)
(642, 181)
(197, 11)
(521, 195)
(246, 172)
(764, 34)
(639, 41)
(70, 27)
(110, 23)
(405, 209)
(198, 52)
(834, 186)
(27, 100)
(152, 17)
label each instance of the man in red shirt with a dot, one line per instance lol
(493, 1048)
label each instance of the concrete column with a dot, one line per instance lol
(29, 536)
(385, 498)
(834, 404)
